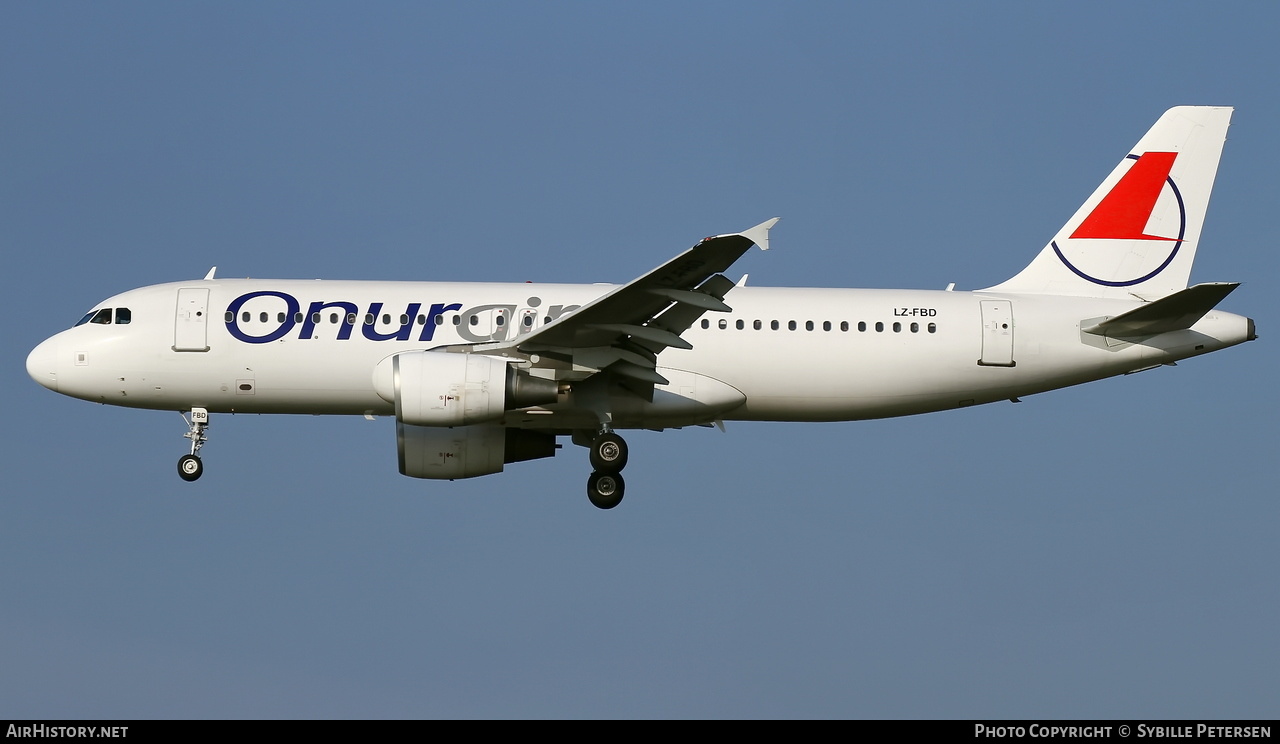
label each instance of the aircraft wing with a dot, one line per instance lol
(624, 330)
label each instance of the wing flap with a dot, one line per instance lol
(654, 334)
(693, 297)
(680, 317)
(636, 372)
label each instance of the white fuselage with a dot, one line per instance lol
(782, 354)
(482, 375)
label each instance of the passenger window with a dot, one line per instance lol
(791, 325)
(386, 319)
(773, 324)
(706, 323)
(315, 317)
(741, 325)
(933, 328)
(808, 325)
(244, 317)
(862, 326)
(527, 321)
(422, 319)
(723, 324)
(297, 317)
(756, 325)
(500, 320)
(474, 320)
(879, 327)
(457, 320)
(230, 317)
(123, 316)
(333, 318)
(844, 325)
(368, 318)
(279, 317)
(826, 325)
(897, 328)
(915, 327)
(351, 318)
(262, 317)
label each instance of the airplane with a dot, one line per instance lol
(481, 375)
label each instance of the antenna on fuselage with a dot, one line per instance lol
(210, 274)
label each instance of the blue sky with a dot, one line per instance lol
(1105, 551)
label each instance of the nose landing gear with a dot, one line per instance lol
(189, 466)
(608, 457)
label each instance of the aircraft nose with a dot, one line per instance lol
(42, 364)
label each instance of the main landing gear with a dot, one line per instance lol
(608, 457)
(189, 466)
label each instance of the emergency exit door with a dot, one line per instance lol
(997, 334)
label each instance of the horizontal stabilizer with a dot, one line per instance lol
(1176, 312)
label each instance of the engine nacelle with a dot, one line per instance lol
(437, 388)
(467, 451)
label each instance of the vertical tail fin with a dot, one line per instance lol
(1137, 234)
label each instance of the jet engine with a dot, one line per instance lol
(436, 388)
(467, 451)
(447, 406)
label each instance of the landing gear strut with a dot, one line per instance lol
(608, 457)
(189, 466)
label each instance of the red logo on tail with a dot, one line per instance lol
(1123, 212)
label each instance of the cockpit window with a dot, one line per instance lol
(103, 316)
